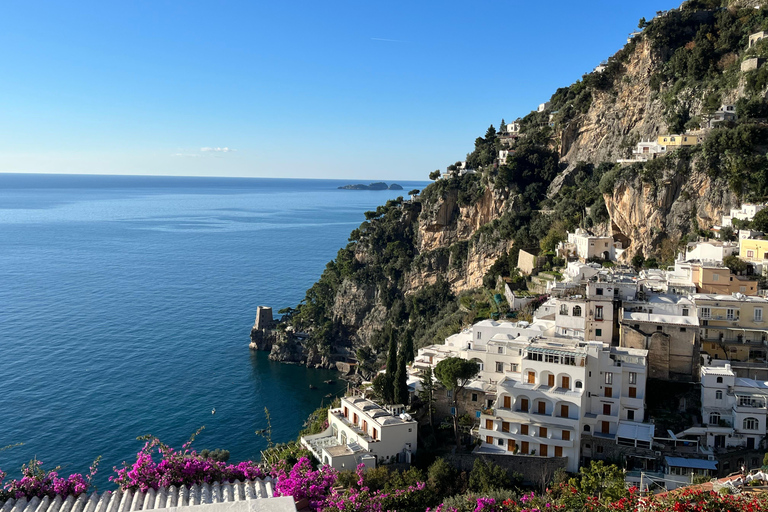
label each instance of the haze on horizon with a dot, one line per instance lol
(351, 90)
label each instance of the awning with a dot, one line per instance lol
(636, 431)
(682, 462)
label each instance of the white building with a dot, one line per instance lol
(644, 151)
(746, 212)
(503, 154)
(724, 113)
(512, 128)
(565, 388)
(586, 317)
(543, 106)
(711, 251)
(733, 408)
(362, 431)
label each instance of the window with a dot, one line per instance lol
(718, 395)
(474, 397)
(750, 254)
(607, 409)
(563, 309)
(719, 380)
(750, 423)
(608, 378)
(715, 277)
(632, 377)
(576, 310)
(375, 434)
(742, 289)
(566, 382)
(659, 328)
(714, 418)
(578, 384)
(682, 329)
(729, 314)
(449, 393)
(566, 435)
(550, 380)
(758, 314)
(479, 335)
(501, 350)
(598, 312)
(598, 332)
(507, 402)
(632, 392)
(609, 392)
(524, 429)
(631, 415)
(706, 313)
(685, 311)
(543, 450)
(499, 367)
(599, 291)
(500, 442)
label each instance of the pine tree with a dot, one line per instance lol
(503, 126)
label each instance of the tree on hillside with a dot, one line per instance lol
(434, 174)
(454, 373)
(601, 481)
(502, 126)
(638, 259)
(727, 234)
(391, 368)
(427, 394)
(736, 265)
(401, 380)
(760, 221)
(414, 192)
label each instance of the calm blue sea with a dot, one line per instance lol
(126, 303)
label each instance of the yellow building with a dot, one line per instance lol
(720, 280)
(754, 251)
(680, 140)
(733, 327)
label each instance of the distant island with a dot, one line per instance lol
(380, 185)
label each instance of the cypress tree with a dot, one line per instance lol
(401, 381)
(391, 368)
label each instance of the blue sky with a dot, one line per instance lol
(364, 90)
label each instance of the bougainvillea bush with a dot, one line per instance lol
(158, 465)
(37, 482)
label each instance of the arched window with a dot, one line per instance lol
(576, 310)
(579, 385)
(586, 428)
(714, 418)
(750, 423)
(718, 394)
(564, 309)
(719, 380)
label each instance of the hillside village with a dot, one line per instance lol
(571, 384)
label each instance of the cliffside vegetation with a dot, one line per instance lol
(424, 269)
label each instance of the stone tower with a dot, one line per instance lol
(263, 318)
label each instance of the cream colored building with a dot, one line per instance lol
(675, 140)
(362, 431)
(732, 326)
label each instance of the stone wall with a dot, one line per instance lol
(672, 355)
(535, 470)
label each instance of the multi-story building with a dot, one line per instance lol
(565, 388)
(733, 326)
(666, 326)
(586, 246)
(746, 212)
(362, 431)
(586, 317)
(755, 251)
(734, 409)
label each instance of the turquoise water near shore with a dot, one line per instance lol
(126, 304)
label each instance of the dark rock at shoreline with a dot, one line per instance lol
(395, 186)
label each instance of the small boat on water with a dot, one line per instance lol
(329, 395)
(312, 386)
(330, 381)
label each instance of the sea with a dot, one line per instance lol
(126, 304)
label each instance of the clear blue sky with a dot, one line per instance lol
(352, 89)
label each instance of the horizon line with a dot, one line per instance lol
(197, 176)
